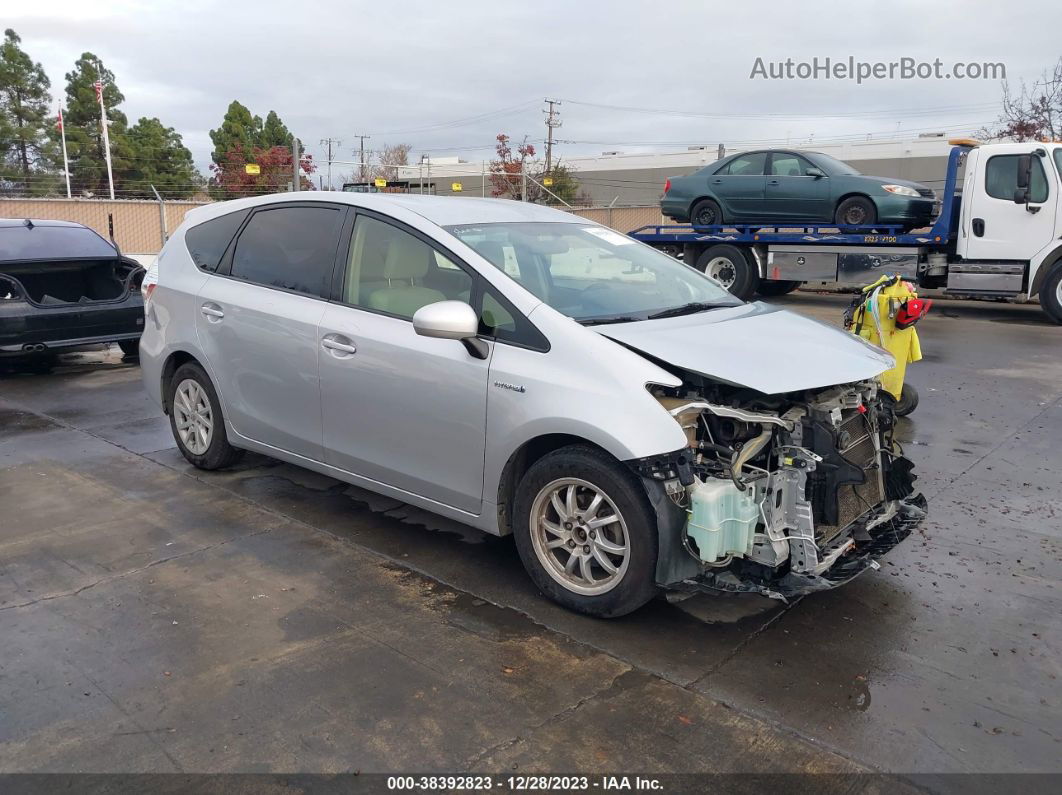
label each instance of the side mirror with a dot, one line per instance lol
(451, 320)
(817, 173)
(1024, 171)
(1021, 196)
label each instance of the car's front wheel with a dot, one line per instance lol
(856, 211)
(196, 420)
(586, 533)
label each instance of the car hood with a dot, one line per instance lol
(755, 345)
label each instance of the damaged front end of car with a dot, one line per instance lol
(780, 495)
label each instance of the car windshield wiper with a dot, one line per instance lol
(598, 321)
(686, 309)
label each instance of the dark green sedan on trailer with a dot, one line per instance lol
(775, 185)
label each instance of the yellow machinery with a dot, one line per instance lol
(885, 314)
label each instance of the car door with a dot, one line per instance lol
(997, 228)
(257, 321)
(791, 193)
(400, 409)
(739, 187)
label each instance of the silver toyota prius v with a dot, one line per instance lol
(526, 371)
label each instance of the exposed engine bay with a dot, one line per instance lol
(782, 494)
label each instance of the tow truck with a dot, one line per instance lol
(1001, 237)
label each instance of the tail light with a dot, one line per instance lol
(667, 185)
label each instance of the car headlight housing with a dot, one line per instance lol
(901, 190)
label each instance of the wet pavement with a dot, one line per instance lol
(155, 617)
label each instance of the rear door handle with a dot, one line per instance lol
(339, 346)
(772, 182)
(212, 312)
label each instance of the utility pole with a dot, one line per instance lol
(552, 121)
(361, 156)
(328, 142)
(294, 163)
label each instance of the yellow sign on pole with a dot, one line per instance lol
(547, 181)
(380, 182)
(253, 168)
(456, 187)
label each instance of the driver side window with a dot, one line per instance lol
(392, 271)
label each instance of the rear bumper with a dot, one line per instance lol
(26, 328)
(675, 209)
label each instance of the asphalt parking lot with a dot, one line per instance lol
(158, 618)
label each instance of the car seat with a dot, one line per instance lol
(405, 267)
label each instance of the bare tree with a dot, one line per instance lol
(387, 161)
(1032, 112)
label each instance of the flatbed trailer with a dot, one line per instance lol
(987, 246)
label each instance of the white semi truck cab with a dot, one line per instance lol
(1000, 238)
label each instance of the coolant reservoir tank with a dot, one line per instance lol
(722, 519)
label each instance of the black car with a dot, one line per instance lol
(62, 287)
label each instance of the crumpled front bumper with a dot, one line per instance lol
(869, 544)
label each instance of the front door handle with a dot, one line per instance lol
(339, 346)
(212, 312)
(979, 227)
(772, 182)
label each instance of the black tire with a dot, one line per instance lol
(706, 212)
(908, 401)
(130, 348)
(1051, 294)
(856, 211)
(738, 274)
(636, 585)
(219, 453)
(769, 289)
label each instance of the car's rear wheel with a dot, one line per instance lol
(196, 419)
(585, 532)
(856, 211)
(769, 289)
(706, 212)
(130, 347)
(730, 266)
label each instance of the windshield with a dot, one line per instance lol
(835, 166)
(592, 273)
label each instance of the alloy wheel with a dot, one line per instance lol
(192, 416)
(579, 536)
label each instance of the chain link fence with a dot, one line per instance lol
(139, 228)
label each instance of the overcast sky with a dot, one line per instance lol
(448, 76)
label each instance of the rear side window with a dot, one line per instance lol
(1001, 178)
(292, 248)
(750, 165)
(207, 241)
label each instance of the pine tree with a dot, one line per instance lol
(239, 129)
(25, 110)
(84, 133)
(160, 158)
(274, 133)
